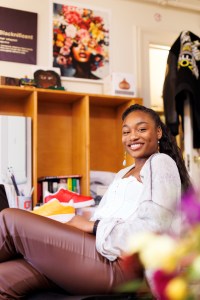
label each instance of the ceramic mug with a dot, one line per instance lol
(24, 202)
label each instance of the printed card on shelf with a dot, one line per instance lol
(121, 84)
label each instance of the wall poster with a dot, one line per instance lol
(80, 41)
(18, 36)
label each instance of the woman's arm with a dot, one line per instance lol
(81, 223)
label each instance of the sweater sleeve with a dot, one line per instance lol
(154, 214)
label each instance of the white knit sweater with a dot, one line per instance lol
(129, 206)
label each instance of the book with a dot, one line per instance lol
(43, 178)
(74, 185)
(45, 188)
(69, 184)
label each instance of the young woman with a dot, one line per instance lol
(85, 257)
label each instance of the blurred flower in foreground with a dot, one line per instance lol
(190, 206)
(169, 286)
(149, 245)
(177, 289)
(173, 262)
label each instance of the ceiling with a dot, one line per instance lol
(192, 5)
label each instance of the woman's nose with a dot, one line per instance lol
(82, 46)
(133, 135)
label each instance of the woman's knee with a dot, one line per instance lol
(18, 278)
(10, 216)
(5, 212)
(9, 212)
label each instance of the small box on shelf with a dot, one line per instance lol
(121, 84)
(4, 80)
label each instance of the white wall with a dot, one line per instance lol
(133, 26)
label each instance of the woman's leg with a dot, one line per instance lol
(65, 255)
(18, 278)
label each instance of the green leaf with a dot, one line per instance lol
(130, 286)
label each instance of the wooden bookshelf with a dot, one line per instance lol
(72, 133)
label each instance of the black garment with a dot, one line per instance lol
(182, 80)
(3, 198)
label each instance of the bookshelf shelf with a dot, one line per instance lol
(72, 133)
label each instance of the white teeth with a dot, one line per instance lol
(135, 146)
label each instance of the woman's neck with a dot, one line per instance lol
(135, 171)
(82, 70)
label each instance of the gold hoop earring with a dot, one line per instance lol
(158, 146)
(124, 161)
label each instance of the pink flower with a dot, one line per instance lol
(97, 20)
(65, 50)
(160, 282)
(68, 42)
(99, 49)
(61, 60)
(72, 17)
(85, 24)
(190, 206)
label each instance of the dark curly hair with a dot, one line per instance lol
(168, 144)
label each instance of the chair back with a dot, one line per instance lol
(3, 198)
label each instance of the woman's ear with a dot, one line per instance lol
(159, 132)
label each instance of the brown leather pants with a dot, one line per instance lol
(37, 253)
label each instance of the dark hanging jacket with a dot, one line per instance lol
(182, 80)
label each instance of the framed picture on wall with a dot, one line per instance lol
(81, 41)
(18, 36)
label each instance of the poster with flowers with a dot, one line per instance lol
(80, 41)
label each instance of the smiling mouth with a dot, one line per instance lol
(82, 55)
(135, 146)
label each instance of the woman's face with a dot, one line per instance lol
(81, 53)
(140, 135)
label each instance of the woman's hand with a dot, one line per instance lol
(81, 223)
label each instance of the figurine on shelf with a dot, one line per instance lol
(25, 81)
(47, 80)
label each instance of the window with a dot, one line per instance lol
(157, 66)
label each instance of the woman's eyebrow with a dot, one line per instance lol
(139, 123)
(142, 122)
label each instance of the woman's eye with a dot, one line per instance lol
(125, 132)
(142, 129)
